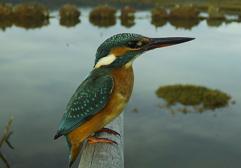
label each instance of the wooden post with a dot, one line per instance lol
(105, 155)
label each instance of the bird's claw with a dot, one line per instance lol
(109, 131)
(94, 140)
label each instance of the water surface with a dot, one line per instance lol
(40, 69)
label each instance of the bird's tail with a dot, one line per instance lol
(74, 149)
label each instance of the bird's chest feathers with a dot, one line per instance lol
(123, 82)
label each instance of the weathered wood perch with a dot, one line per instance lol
(105, 155)
(5, 139)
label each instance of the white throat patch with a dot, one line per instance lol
(107, 60)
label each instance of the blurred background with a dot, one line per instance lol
(185, 108)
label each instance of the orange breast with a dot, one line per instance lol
(123, 84)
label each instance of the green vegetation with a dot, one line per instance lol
(215, 22)
(5, 23)
(215, 13)
(69, 22)
(158, 22)
(31, 23)
(128, 22)
(69, 11)
(103, 16)
(127, 16)
(184, 12)
(103, 12)
(32, 11)
(191, 95)
(5, 140)
(180, 16)
(6, 11)
(84, 3)
(159, 13)
(184, 23)
(103, 22)
(159, 16)
(69, 15)
(29, 15)
(230, 8)
(128, 12)
(216, 17)
(185, 15)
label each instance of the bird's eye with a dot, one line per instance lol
(134, 44)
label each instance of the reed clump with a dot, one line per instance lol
(231, 7)
(103, 16)
(184, 12)
(191, 95)
(128, 12)
(159, 13)
(128, 22)
(127, 16)
(186, 24)
(103, 22)
(69, 11)
(159, 16)
(5, 23)
(31, 11)
(69, 15)
(6, 11)
(103, 12)
(31, 15)
(215, 13)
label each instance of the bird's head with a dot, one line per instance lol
(121, 49)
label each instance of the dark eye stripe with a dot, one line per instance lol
(136, 44)
(133, 44)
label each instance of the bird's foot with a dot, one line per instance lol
(109, 131)
(94, 140)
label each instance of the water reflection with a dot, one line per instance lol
(215, 22)
(127, 22)
(184, 23)
(187, 98)
(69, 22)
(103, 22)
(158, 22)
(5, 23)
(31, 23)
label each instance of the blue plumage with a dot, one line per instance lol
(118, 40)
(90, 97)
(114, 58)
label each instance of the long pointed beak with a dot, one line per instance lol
(164, 42)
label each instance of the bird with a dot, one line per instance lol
(105, 92)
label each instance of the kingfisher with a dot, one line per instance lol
(103, 95)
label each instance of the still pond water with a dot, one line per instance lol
(41, 68)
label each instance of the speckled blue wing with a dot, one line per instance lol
(90, 98)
